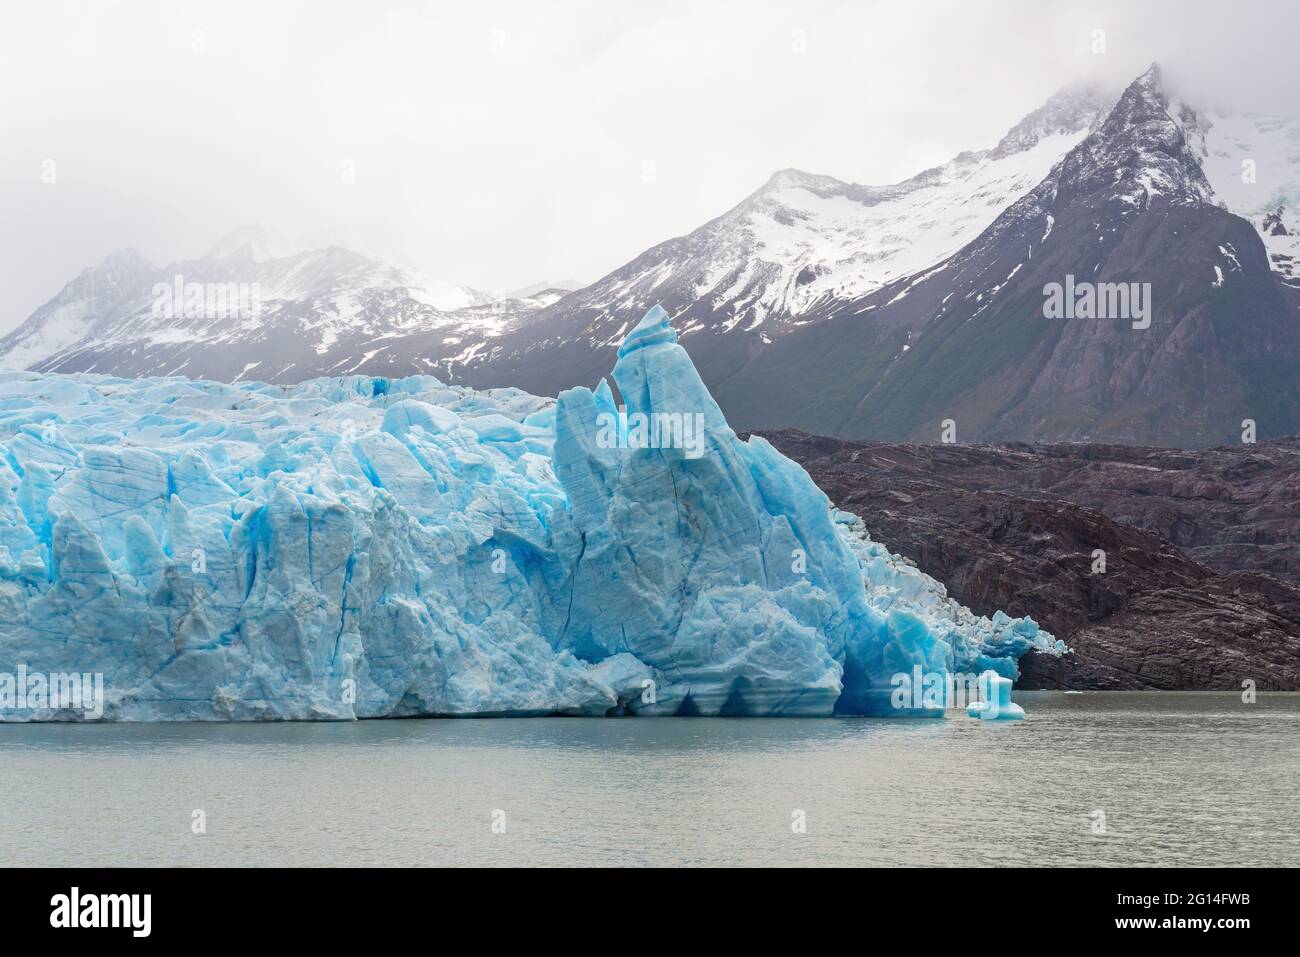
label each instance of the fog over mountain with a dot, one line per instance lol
(495, 145)
(829, 306)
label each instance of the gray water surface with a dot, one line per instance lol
(1182, 779)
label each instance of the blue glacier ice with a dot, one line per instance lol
(996, 704)
(365, 547)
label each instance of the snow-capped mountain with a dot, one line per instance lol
(803, 240)
(250, 309)
(861, 311)
(95, 294)
(255, 241)
(1206, 336)
(799, 244)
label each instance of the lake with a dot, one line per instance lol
(1092, 778)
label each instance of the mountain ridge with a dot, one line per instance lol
(857, 311)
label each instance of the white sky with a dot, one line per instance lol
(498, 144)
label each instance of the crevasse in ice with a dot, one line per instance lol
(362, 547)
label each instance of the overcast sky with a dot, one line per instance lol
(495, 145)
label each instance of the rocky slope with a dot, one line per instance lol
(1202, 549)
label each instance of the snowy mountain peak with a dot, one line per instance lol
(1130, 204)
(249, 296)
(1065, 113)
(1144, 97)
(791, 178)
(78, 307)
(252, 242)
(1141, 151)
(124, 260)
(1151, 78)
(803, 241)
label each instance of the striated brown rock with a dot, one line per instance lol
(1202, 549)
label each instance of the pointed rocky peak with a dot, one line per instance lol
(1148, 100)
(1070, 110)
(252, 242)
(1143, 100)
(119, 269)
(126, 260)
(83, 301)
(1151, 79)
(1140, 152)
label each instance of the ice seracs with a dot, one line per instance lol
(365, 547)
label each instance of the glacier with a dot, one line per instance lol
(365, 547)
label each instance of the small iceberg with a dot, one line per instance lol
(997, 704)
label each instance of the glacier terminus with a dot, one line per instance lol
(368, 547)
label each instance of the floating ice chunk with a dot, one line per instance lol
(997, 704)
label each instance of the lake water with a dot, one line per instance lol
(1181, 778)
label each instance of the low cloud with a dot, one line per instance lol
(498, 144)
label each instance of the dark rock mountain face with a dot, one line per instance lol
(970, 341)
(1202, 549)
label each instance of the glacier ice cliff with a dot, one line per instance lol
(364, 547)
